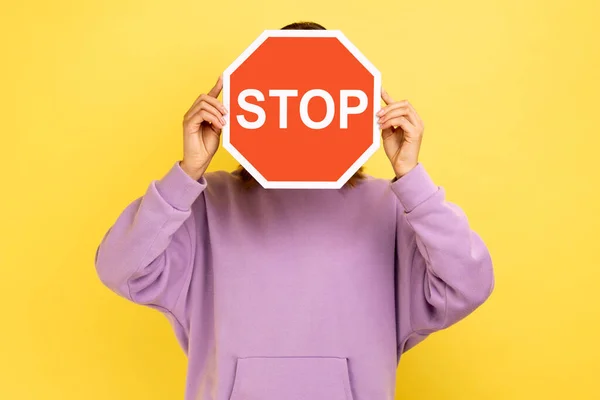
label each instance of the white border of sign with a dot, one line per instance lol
(293, 184)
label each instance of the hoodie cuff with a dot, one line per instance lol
(179, 189)
(414, 188)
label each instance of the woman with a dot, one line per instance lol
(279, 294)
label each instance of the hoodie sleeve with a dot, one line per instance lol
(444, 269)
(148, 254)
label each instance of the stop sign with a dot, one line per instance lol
(302, 107)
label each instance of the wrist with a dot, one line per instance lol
(400, 171)
(194, 172)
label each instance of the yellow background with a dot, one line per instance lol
(92, 99)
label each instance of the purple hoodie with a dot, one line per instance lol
(296, 294)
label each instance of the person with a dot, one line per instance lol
(281, 294)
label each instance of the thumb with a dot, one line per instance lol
(216, 90)
(386, 97)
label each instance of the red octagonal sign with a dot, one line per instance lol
(302, 108)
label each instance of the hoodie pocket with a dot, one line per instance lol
(291, 378)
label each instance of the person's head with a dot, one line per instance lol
(304, 25)
(245, 176)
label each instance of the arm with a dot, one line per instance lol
(148, 254)
(444, 269)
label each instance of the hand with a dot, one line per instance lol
(202, 126)
(402, 133)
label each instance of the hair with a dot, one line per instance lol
(304, 25)
(244, 175)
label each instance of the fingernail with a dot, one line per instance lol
(223, 121)
(223, 110)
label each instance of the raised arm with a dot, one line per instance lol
(444, 269)
(148, 254)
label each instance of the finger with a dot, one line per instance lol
(402, 122)
(205, 116)
(216, 89)
(392, 106)
(205, 105)
(416, 114)
(398, 112)
(216, 129)
(394, 112)
(206, 99)
(214, 92)
(386, 97)
(215, 103)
